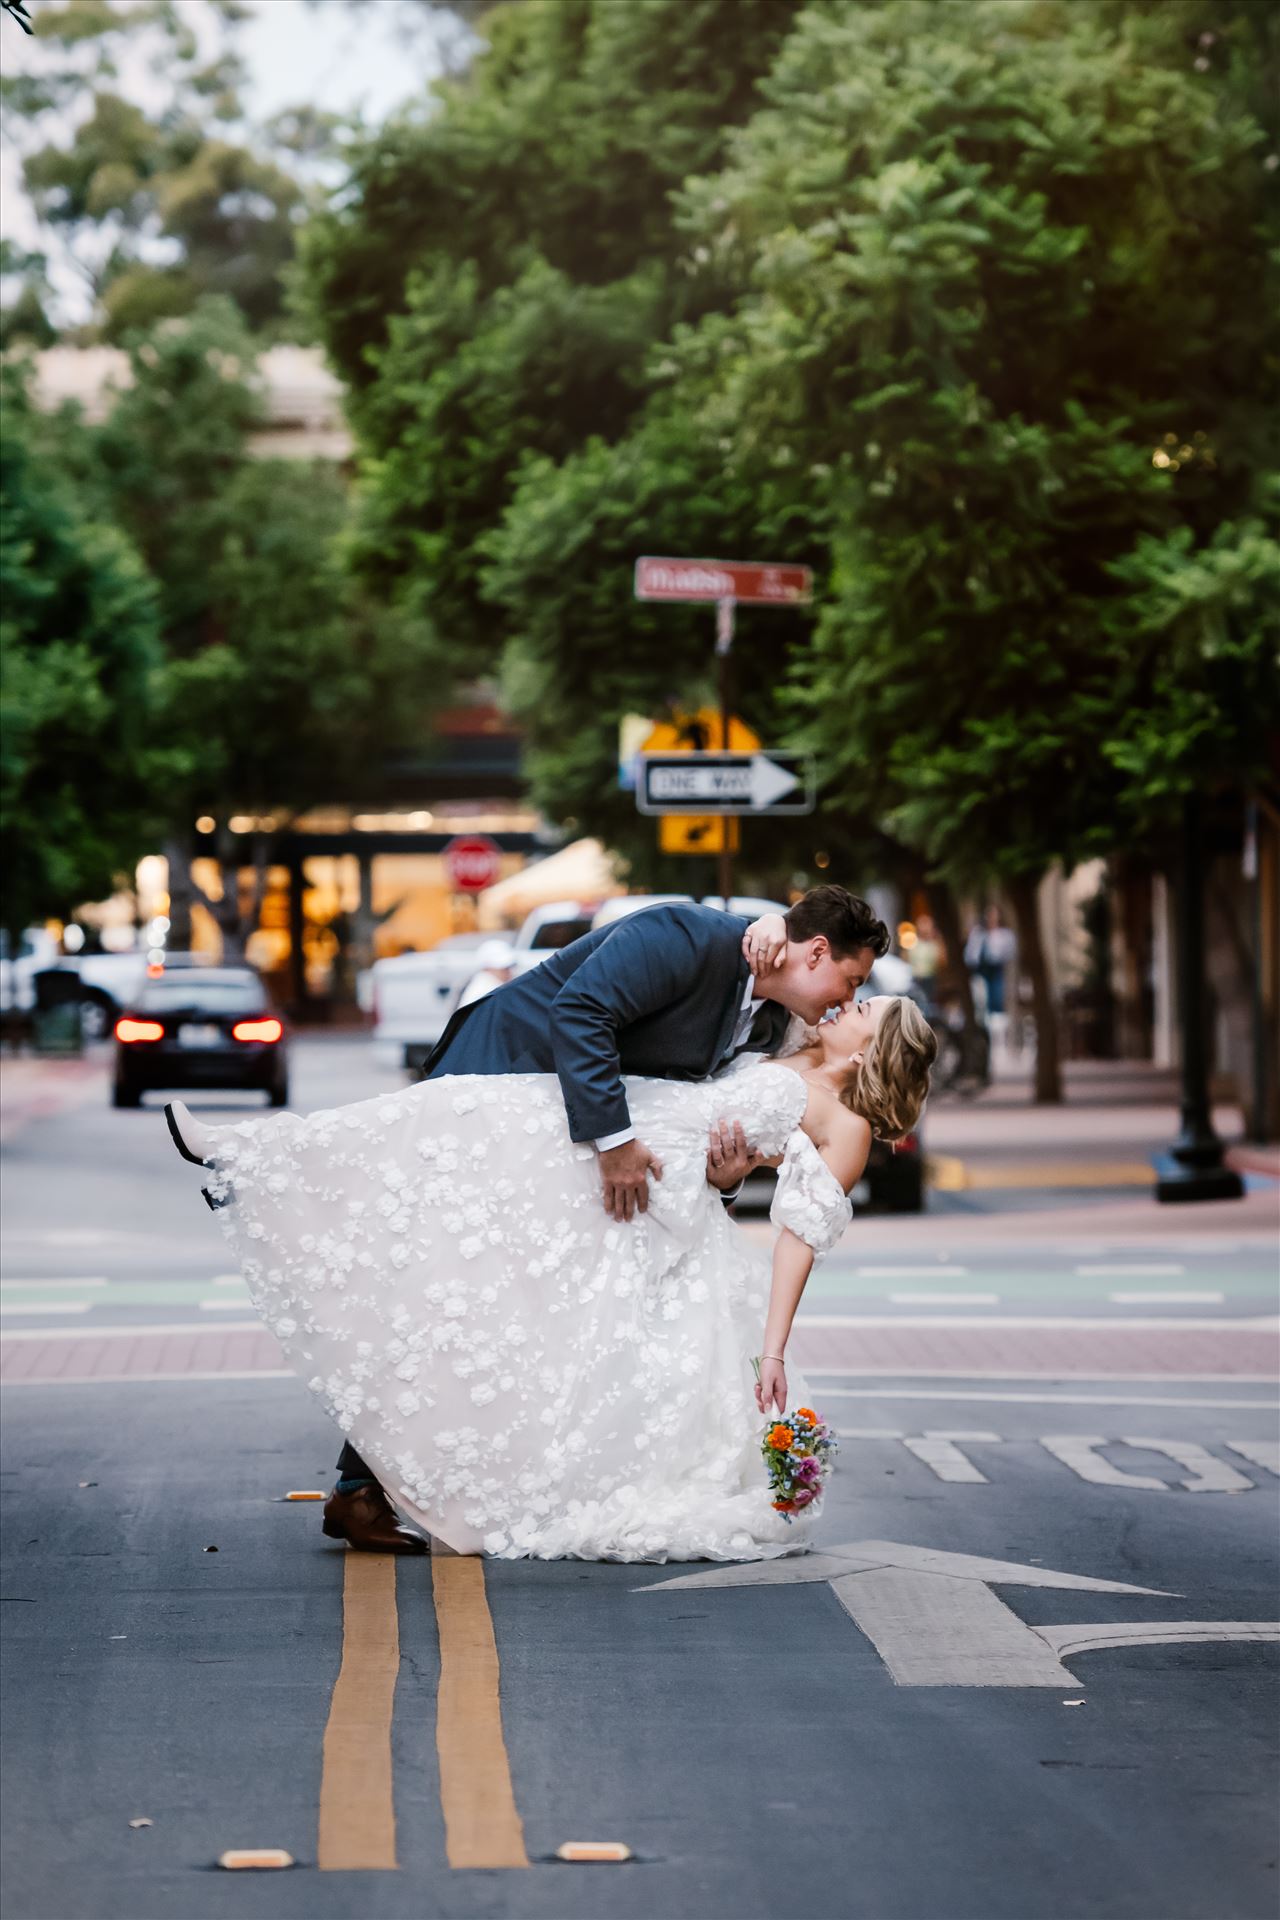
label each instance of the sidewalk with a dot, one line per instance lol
(1115, 1117)
(34, 1088)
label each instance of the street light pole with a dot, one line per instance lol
(724, 642)
(1193, 1168)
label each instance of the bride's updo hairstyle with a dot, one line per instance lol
(890, 1087)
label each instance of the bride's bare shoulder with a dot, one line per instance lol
(841, 1137)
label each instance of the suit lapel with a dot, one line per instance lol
(729, 1014)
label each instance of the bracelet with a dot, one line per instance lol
(774, 1356)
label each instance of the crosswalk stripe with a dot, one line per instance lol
(944, 1299)
(1131, 1270)
(96, 1281)
(1166, 1299)
(43, 1306)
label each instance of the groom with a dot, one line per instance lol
(668, 992)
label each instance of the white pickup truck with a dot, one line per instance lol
(413, 995)
(109, 980)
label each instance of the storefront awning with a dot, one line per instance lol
(581, 871)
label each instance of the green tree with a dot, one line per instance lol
(493, 280)
(1008, 309)
(284, 686)
(156, 205)
(82, 780)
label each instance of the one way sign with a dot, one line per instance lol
(724, 783)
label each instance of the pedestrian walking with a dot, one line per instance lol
(989, 952)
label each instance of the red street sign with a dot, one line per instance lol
(472, 862)
(752, 583)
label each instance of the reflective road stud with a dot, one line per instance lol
(595, 1852)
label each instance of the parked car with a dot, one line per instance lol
(108, 980)
(748, 905)
(201, 1027)
(414, 994)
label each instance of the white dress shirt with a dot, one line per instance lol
(751, 1005)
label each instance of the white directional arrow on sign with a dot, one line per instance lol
(935, 1622)
(727, 783)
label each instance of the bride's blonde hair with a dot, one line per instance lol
(889, 1089)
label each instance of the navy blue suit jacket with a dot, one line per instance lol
(656, 993)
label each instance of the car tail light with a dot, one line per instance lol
(907, 1144)
(139, 1030)
(257, 1030)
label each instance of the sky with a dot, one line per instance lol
(337, 56)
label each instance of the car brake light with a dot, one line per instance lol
(139, 1030)
(257, 1030)
(155, 970)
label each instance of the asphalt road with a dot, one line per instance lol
(892, 1740)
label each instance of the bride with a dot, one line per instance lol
(526, 1375)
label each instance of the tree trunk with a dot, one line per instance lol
(1048, 1084)
(182, 893)
(947, 915)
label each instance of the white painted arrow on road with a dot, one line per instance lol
(934, 1621)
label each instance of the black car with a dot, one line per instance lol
(201, 1027)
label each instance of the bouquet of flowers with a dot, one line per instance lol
(798, 1453)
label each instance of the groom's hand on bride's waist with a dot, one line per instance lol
(625, 1172)
(730, 1159)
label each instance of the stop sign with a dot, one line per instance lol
(472, 862)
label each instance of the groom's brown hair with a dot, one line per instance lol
(847, 922)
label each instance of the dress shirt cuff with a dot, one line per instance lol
(615, 1139)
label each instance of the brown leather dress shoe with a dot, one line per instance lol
(366, 1520)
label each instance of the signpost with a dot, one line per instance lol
(472, 862)
(754, 583)
(724, 783)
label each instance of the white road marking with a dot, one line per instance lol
(1133, 1270)
(1166, 1299)
(150, 1379)
(931, 1616)
(1086, 1638)
(944, 1458)
(1208, 1475)
(935, 1272)
(44, 1306)
(131, 1332)
(1051, 1323)
(945, 1299)
(5, 1285)
(1021, 1373)
(1079, 1452)
(1076, 1450)
(1049, 1399)
(1263, 1453)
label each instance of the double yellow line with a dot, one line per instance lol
(357, 1796)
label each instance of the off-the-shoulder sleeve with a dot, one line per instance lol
(809, 1199)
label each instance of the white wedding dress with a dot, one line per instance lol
(526, 1376)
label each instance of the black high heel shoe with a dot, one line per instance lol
(196, 1159)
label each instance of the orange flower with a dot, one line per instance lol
(781, 1437)
(784, 1506)
(806, 1413)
